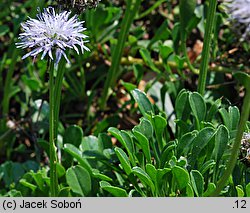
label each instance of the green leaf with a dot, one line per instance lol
(167, 153)
(189, 190)
(240, 192)
(101, 176)
(65, 192)
(152, 172)
(184, 144)
(60, 170)
(33, 83)
(221, 141)
(225, 117)
(73, 135)
(181, 176)
(197, 182)
(210, 189)
(186, 12)
(123, 158)
(160, 175)
(144, 104)
(77, 154)
(182, 105)
(39, 179)
(243, 78)
(198, 106)
(44, 144)
(160, 125)
(144, 177)
(206, 166)
(234, 115)
(143, 141)
(4, 29)
(145, 127)
(79, 180)
(91, 143)
(213, 109)
(148, 60)
(115, 191)
(28, 185)
(200, 141)
(129, 86)
(248, 190)
(124, 138)
(162, 33)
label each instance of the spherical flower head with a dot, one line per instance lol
(239, 11)
(52, 34)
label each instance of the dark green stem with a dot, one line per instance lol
(131, 9)
(206, 47)
(52, 134)
(234, 154)
(57, 92)
(184, 50)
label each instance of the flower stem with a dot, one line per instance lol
(236, 146)
(52, 133)
(131, 9)
(206, 48)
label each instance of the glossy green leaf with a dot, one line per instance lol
(144, 104)
(189, 190)
(123, 158)
(182, 105)
(248, 190)
(240, 192)
(160, 125)
(186, 12)
(167, 153)
(143, 141)
(115, 191)
(101, 176)
(213, 109)
(73, 135)
(184, 144)
(162, 33)
(91, 143)
(77, 154)
(144, 177)
(200, 141)
(4, 29)
(225, 117)
(60, 170)
(221, 142)
(198, 106)
(181, 177)
(210, 189)
(125, 139)
(65, 192)
(79, 180)
(160, 175)
(206, 166)
(197, 182)
(234, 115)
(152, 172)
(145, 127)
(28, 185)
(148, 60)
(243, 78)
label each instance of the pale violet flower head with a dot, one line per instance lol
(239, 12)
(52, 33)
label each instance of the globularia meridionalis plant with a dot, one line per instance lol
(52, 34)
